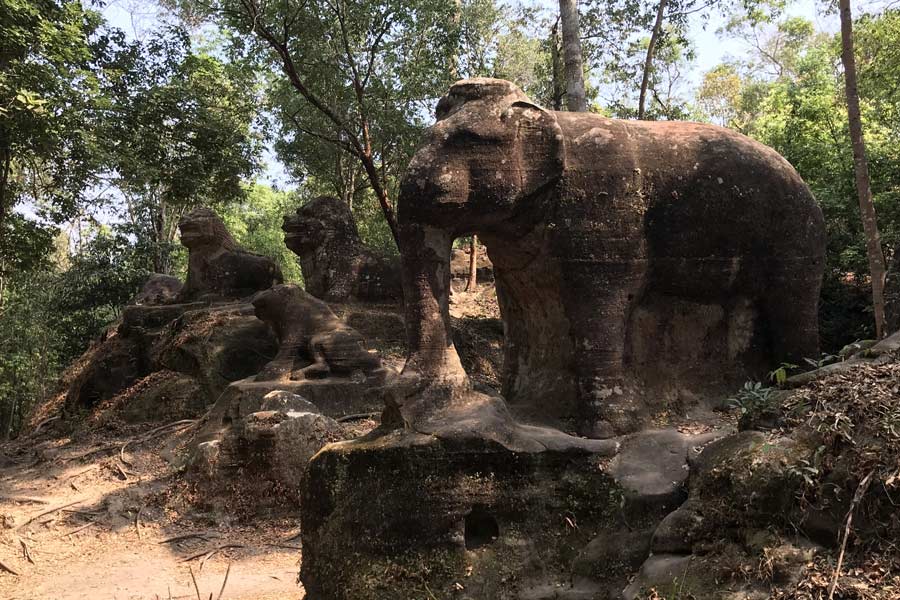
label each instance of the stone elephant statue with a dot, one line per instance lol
(639, 265)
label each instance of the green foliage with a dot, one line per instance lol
(29, 360)
(753, 398)
(256, 225)
(180, 135)
(90, 293)
(48, 80)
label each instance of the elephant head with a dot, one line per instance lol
(485, 161)
(487, 165)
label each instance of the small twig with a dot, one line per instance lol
(25, 551)
(288, 546)
(196, 587)
(207, 554)
(24, 499)
(137, 521)
(216, 551)
(6, 567)
(37, 427)
(121, 472)
(83, 471)
(49, 511)
(152, 434)
(358, 417)
(83, 455)
(857, 498)
(77, 529)
(293, 537)
(222, 591)
(85, 513)
(203, 536)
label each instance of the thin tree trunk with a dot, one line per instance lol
(4, 185)
(576, 98)
(557, 66)
(454, 59)
(159, 265)
(861, 165)
(648, 61)
(473, 265)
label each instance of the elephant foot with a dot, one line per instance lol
(614, 410)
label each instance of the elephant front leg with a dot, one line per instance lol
(599, 307)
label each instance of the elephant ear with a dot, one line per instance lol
(539, 148)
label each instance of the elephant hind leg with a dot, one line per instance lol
(790, 305)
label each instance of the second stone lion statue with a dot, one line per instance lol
(313, 342)
(336, 265)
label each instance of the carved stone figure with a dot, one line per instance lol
(313, 342)
(336, 265)
(159, 289)
(629, 255)
(218, 268)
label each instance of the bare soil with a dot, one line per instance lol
(79, 522)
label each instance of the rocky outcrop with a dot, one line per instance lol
(159, 289)
(337, 266)
(265, 450)
(212, 345)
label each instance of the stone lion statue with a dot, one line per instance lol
(313, 343)
(336, 264)
(218, 268)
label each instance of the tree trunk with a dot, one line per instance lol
(454, 58)
(648, 61)
(576, 98)
(863, 185)
(557, 67)
(473, 265)
(4, 185)
(159, 227)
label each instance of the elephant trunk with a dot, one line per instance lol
(426, 287)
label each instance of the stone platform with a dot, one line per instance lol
(400, 515)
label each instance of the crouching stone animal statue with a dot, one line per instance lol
(313, 342)
(218, 268)
(629, 256)
(336, 265)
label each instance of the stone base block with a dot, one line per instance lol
(402, 515)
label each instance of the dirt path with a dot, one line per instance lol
(110, 542)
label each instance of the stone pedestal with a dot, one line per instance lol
(398, 515)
